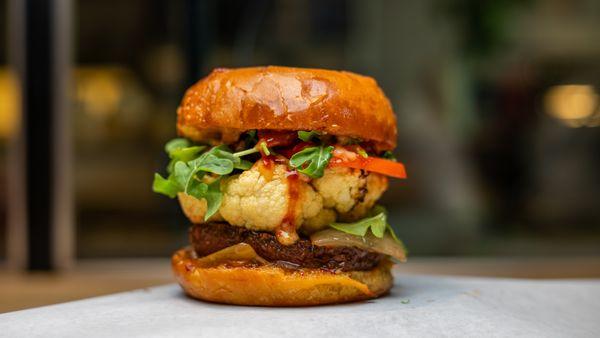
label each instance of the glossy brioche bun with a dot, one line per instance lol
(230, 101)
(274, 286)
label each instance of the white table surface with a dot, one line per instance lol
(417, 306)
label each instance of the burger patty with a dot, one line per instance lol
(212, 237)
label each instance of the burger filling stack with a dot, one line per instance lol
(279, 171)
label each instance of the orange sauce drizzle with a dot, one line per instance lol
(286, 233)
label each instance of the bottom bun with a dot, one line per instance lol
(269, 285)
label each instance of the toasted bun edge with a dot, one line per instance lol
(274, 286)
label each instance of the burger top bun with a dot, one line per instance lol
(229, 102)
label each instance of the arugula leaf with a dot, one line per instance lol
(380, 209)
(264, 148)
(362, 152)
(388, 155)
(250, 138)
(197, 188)
(165, 186)
(182, 174)
(180, 149)
(187, 177)
(393, 233)
(246, 152)
(377, 224)
(189, 165)
(312, 160)
(210, 163)
(243, 165)
(376, 221)
(213, 198)
(224, 152)
(176, 143)
(377, 209)
(186, 154)
(307, 135)
(183, 154)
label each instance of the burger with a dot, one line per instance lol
(279, 171)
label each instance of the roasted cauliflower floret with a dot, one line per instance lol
(260, 199)
(376, 186)
(350, 192)
(320, 221)
(257, 202)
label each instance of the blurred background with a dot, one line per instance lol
(497, 102)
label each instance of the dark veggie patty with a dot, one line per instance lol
(212, 237)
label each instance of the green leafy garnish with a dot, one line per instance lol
(213, 198)
(246, 152)
(188, 167)
(388, 155)
(264, 148)
(212, 164)
(224, 152)
(312, 161)
(377, 222)
(362, 152)
(165, 186)
(250, 138)
(307, 135)
(180, 149)
(176, 143)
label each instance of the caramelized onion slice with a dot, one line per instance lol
(386, 245)
(241, 252)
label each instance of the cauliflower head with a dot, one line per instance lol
(257, 202)
(261, 202)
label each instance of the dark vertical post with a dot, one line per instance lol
(38, 111)
(34, 36)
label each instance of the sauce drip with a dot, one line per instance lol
(286, 233)
(265, 167)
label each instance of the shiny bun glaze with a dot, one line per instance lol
(270, 285)
(229, 102)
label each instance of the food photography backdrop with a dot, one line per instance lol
(497, 104)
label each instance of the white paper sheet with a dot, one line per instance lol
(418, 306)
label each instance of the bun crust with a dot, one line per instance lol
(274, 286)
(231, 101)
